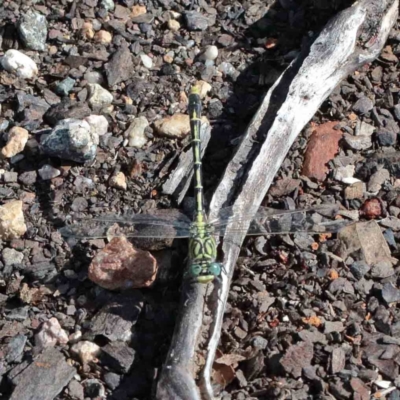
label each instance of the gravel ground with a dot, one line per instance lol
(93, 98)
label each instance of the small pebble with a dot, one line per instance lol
(108, 5)
(48, 172)
(65, 86)
(204, 88)
(98, 96)
(103, 37)
(211, 53)
(20, 64)
(86, 351)
(17, 139)
(87, 30)
(136, 132)
(118, 181)
(146, 60)
(174, 25)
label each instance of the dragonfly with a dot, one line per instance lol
(201, 232)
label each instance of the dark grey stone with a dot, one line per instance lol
(390, 293)
(196, 21)
(44, 378)
(386, 137)
(359, 269)
(118, 356)
(112, 380)
(363, 105)
(120, 67)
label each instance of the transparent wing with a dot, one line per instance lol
(169, 224)
(267, 221)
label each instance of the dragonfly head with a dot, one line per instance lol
(205, 273)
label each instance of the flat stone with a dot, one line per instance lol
(390, 293)
(338, 360)
(120, 67)
(377, 179)
(66, 109)
(112, 380)
(284, 187)
(355, 191)
(363, 105)
(115, 320)
(382, 269)
(75, 390)
(297, 357)
(333, 326)
(360, 388)
(313, 336)
(196, 21)
(359, 143)
(367, 237)
(386, 137)
(322, 147)
(44, 378)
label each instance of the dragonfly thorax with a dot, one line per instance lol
(203, 253)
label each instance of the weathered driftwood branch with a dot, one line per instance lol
(352, 38)
(179, 181)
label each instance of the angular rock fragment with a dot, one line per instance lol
(44, 378)
(118, 356)
(66, 109)
(115, 320)
(120, 67)
(365, 238)
(297, 357)
(338, 359)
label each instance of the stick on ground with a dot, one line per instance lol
(352, 38)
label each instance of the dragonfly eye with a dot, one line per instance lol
(195, 270)
(214, 268)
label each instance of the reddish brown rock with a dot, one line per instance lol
(372, 208)
(322, 147)
(120, 266)
(360, 390)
